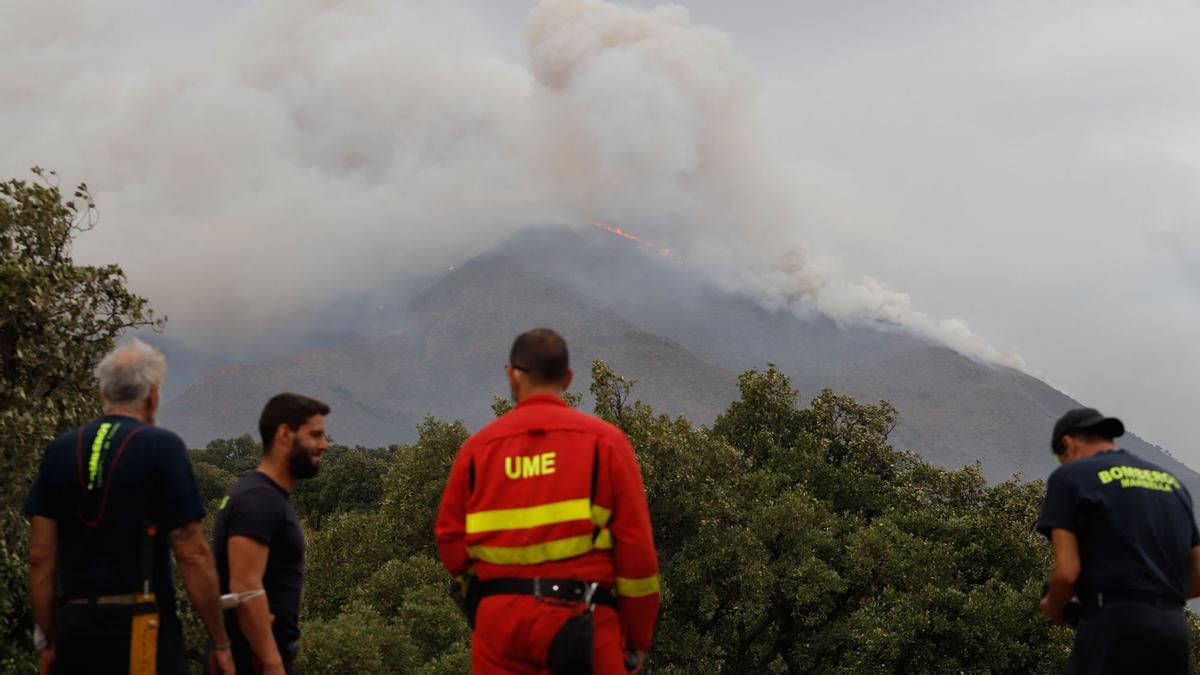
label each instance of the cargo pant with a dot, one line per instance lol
(1131, 638)
(94, 639)
(513, 633)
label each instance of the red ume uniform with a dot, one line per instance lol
(548, 491)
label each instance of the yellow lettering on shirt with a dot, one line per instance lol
(529, 466)
(1137, 477)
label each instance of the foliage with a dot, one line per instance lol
(213, 482)
(798, 540)
(350, 479)
(501, 405)
(790, 539)
(57, 319)
(413, 488)
(379, 569)
(359, 640)
(234, 456)
(611, 393)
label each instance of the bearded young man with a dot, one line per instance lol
(257, 536)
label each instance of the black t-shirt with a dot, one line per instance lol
(257, 507)
(1133, 520)
(103, 484)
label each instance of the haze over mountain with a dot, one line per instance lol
(652, 318)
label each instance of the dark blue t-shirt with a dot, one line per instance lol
(103, 484)
(1133, 520)
(258, 507)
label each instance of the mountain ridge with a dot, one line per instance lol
(683, 339)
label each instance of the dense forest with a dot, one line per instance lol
(792, 538)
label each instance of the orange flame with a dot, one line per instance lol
(664, 252)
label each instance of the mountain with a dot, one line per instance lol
(653, 319)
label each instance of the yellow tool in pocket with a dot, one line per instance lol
(143, 636)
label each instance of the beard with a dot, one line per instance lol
(301, 464)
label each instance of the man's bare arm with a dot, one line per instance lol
(1194, 574)
(43, 563)
(199, 571)
(247, 564)
(1064, 574)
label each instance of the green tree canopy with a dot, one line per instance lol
(791, 539)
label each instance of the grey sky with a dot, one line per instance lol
(1029, 168)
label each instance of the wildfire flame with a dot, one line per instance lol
(664, 252)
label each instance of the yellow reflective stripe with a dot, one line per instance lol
(636, 588)
(604, 539)
(532, 555)
(600, 515)
(531, 516)
(94, 460)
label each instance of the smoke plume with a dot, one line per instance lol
(300, 151)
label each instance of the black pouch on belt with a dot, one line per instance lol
(571, 648)
(466, 593)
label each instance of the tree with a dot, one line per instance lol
(798, 540)
(57, 319)
(350, 479)
(212, 481)
(611, 393)
(376, 571)
(501, 405)
(235, 456)
(791, 540)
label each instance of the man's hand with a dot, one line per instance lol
(641, 662)
(46, 661)
(1052, 612)
(1194, 573)
(220, 662)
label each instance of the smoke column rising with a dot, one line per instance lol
(305, 150)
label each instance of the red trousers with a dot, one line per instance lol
(513, 632)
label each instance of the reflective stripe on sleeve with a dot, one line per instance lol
(600, 515)
(636, 588)
(531, 516)
(604, 539)
(534, 554)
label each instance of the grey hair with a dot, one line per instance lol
(127, 373)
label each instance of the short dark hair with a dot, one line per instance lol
(1084, 436)
(290, 409)
(542, 354)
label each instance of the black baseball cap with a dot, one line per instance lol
(1088, 420)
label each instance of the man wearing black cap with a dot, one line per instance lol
(1125, 542)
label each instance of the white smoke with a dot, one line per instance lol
(306, 149)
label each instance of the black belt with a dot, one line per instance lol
(141, 604)
(571, 590)
(1093, 601)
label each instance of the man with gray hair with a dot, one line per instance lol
(111, 501)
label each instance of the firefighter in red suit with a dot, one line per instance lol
(540, 504)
